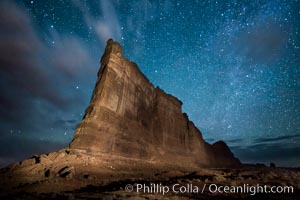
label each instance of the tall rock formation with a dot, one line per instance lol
(131, 130)
(133, 133)
(129, 117)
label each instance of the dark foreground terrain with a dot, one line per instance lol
(92, 178)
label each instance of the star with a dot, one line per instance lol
(233, 64)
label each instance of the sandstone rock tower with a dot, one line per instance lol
(130, 130)
(129, 117)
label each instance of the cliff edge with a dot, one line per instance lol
(130, 130)
(129, 117)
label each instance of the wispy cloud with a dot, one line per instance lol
(107, 25)
(266, 150)
(277, 139)
(38, 80)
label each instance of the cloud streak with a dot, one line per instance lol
(37, 82)
(268, 149)
(107, 25)
(278, 139)
(267, 153)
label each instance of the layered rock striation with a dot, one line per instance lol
(129, 117)
(131, 131)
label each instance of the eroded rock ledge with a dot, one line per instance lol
(130, 130)
(129, 117)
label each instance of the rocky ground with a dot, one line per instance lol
(76, 175)
(117, 189)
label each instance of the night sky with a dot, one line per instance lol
(235, 65)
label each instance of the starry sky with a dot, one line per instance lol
(235, 65)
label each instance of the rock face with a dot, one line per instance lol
(130, 130)
(134, 133)
(129, 117)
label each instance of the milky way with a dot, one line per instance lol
(233, 64)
